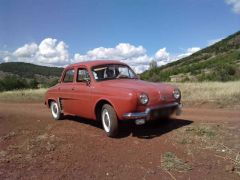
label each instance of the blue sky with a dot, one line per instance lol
(170, 26)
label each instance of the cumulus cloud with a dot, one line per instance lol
(4, 55)
(135, 56)
(189, 52)
(235, 5)
(51, 52)
(162, 56)
(213, 41)
(122, 51)
(27, 50)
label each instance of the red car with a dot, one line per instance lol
(110, 91)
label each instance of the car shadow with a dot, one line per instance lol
(148, 131)
(152, 129)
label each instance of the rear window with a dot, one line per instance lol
(69, 76)
(82, 75)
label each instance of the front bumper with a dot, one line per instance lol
(177, 107)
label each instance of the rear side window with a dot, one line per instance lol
(69, 76)
(82, 75)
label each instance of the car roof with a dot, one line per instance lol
(94, 63)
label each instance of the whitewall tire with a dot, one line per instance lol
(56, 112)
(109, 120)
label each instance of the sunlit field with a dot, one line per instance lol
(220, 93)
(27, 95)
(223, 94)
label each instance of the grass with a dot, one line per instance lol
(220, 93)
(171, 162)
(202, 131)
(27, 95)
(185, 140)
(221, 140)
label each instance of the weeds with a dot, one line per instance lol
(222, 94)
(202, 131)
(171, 162)
(185, 140)
(28, 95)
(211, 137)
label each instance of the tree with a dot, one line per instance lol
(33, 84)
(152, 64)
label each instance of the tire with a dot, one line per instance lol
(109, 120)
(55, 110)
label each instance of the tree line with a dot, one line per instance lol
(14, 83)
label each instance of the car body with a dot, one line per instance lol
(106, 90)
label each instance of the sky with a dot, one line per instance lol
(60, 32)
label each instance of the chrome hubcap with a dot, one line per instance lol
(54, 108)
(106, 120)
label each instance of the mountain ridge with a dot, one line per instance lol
(218, 62)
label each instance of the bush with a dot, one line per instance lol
(13, 82)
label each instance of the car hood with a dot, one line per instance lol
(155, 91)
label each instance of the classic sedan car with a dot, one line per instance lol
(110, 91)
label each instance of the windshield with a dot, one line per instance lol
(112, 71)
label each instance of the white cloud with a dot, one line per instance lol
(3, 55)
(213, 41)
(122, 51)
(189, 52)
(235, 5)
(135, 56)
(51, 52)
(162, 55)
(27, 50)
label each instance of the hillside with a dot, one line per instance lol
(219, 62)
(17, 75)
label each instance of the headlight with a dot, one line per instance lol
(143, 99)
(176, 94)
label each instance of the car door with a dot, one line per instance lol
(82, 94)
(66, 91)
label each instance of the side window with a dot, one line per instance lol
(82, 75)
(69, 76)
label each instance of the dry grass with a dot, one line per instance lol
(171, 162)
(222, 140)
(28, 95)
(220, 93)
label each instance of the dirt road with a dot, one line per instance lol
(200, 144)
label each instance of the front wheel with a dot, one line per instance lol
(109, 120)
(56, 113)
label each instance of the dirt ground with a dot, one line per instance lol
(202, 143)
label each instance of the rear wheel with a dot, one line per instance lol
(109, 120)
(56, 112)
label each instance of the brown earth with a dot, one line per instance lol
(34, 146)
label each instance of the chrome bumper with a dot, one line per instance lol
(146, 114)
